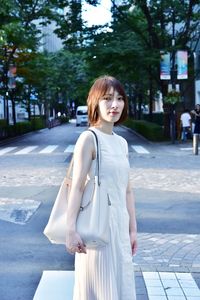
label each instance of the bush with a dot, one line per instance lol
(3, 128)
(22, 127)
(157, 118)
(38, 123)
(64, 119)
(149, 130)
(3, 123)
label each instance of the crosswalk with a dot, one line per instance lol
(140, 149)
(58, 149)
(58, 285)
(54, 149)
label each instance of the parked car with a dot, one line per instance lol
(81, 115)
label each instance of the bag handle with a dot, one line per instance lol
(97, 170)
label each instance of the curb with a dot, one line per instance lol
(137, 134)
(10, 140)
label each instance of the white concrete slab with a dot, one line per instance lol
(140, 149)
(173, 286)
(55, 285)
(6, 150)
(70, 149)
(26, 150)
(48, 149)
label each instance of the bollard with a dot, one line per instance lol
(195, 143)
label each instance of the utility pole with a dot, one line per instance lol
(173, 79)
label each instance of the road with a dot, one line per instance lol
(165, 181)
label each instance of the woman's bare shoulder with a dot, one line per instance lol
(86, 140)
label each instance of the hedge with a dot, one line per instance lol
(157, 118)
(20, 128)
(149, 130)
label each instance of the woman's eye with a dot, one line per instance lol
(120, 99)
(106, 98)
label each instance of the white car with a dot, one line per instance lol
(81, 116)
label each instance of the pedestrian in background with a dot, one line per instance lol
(185, 125)
(104, 273)
(196, 113)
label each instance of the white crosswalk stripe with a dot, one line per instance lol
(26, 150)
(6, 150)
(70, 149)
(187, 149)
(55, 285)
(140, 149)
(48, 149)
(51, 148)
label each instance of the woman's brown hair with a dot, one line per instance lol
(100, 87)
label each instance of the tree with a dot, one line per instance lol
(20, 32)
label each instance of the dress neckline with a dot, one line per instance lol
(101, 132)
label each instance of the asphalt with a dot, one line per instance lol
(163, 247)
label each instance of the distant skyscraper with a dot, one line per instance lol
(50, 41)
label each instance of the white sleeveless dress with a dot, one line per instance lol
(107, 273)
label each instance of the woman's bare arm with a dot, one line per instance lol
(84, 152)
(130, 203)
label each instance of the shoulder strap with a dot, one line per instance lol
(97, 171)
(97, 155)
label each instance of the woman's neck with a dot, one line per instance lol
(105, 128)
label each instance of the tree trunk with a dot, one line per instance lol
(150, 97)
(13, 109)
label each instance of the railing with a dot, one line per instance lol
(53, 122)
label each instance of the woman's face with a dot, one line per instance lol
(111, 106)
(198, 107)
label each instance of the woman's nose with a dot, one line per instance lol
(114, 102)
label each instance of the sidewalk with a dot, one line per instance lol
(167, 267)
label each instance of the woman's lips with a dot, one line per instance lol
(114, 113)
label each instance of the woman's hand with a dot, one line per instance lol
(74, 243)
(133, 240)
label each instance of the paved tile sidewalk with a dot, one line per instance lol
(166, 286)
(168, 252)
(167, 266)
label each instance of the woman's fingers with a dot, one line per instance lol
(134, 248)
(79, 248)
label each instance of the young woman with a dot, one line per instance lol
(104, 273)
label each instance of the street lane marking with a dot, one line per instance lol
(187, 149)
(49, 149)
(6, 150)
(70, 149)
(55, 285)
(26, 150)
(17, 211)
(140, 149)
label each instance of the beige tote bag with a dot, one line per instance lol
(93, 218)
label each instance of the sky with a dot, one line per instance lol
(97, 15)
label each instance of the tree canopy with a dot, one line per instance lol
(128, 48)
